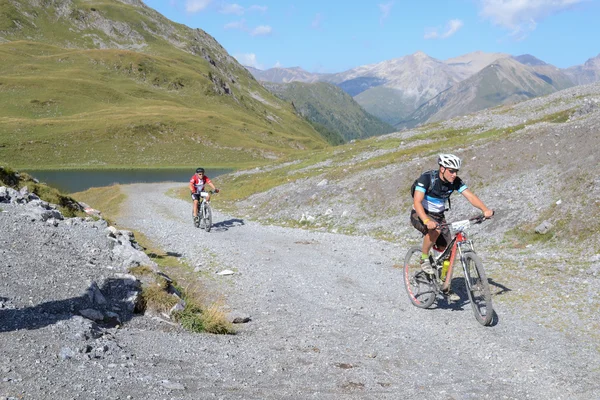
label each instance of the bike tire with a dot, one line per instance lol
(197, 218)
(207, 218)
(419, 286)
(478, 289)
(201, 216)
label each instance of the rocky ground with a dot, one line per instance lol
(328, 316)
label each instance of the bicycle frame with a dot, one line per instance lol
(203, 195)
(455, 247)
(459, 240)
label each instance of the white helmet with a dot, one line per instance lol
(449, 161)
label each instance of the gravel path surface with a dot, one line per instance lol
(330, 319)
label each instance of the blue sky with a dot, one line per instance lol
(334, 35)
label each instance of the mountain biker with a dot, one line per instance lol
(429, 205)
(197, 183)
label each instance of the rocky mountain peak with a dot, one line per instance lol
(528, 59)
(593, 63)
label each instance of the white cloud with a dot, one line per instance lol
(255, 7)
(194, 6)
(452, 27)
(277, 64)
(522, 16)
(261, 30)
(241, 25)
(385, 9)
(248, 59)
(316, 23)
(232, 9)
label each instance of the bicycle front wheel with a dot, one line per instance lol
(419, 285)
(478, 289)
(197, 217)
(207, 218)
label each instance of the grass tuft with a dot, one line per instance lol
(154, 297)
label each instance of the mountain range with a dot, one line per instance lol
(417, 88)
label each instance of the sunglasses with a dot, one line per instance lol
(452, 171)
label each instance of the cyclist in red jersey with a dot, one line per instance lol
(197, 183)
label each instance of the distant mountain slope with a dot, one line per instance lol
(589, 72)
(330, 109)
(469, 64)
(502, 82)
(528, 59)
(285, 75)
(110, 83)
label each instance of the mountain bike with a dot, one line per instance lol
(204, 213)
(423, 289)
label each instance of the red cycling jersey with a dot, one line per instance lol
(199, 183)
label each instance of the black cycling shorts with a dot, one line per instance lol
(444, 238)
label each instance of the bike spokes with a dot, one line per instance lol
(207, 218)
(419, 286)
(478, 289)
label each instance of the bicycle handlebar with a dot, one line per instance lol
(207, 191)
(477, 220)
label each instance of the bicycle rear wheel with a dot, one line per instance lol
(478, 289)
(419, 286)
(207, 217)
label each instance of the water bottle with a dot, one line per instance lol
(445, 266)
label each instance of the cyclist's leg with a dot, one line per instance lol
(195, 205)
(443, 239)
(444, 236)
(429, 237)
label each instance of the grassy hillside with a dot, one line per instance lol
(330, 109)
(108, 84)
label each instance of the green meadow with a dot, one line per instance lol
(68, 108)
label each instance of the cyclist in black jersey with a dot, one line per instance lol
(432, 190)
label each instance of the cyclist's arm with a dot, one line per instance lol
(192, 188)
(476, 202)
(418, 205)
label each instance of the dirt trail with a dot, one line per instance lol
(330, 319)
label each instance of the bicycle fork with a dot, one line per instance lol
(463, 262)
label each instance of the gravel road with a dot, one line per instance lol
(330, 319)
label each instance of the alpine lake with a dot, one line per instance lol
(72, 181)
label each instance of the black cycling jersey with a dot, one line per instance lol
(435, 199)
